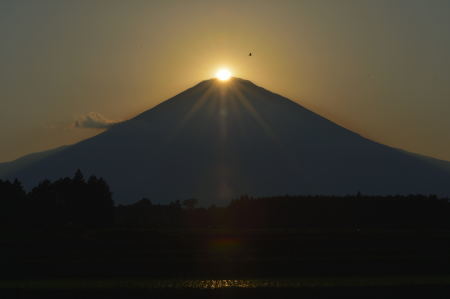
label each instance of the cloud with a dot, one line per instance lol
(94, 120)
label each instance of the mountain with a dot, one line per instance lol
(219, 140)
(18, 164)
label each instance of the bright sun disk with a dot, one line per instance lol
(223, 74)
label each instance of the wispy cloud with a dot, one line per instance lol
(94, 120)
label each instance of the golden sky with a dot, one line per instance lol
(380, 68)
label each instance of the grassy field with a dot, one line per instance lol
(211, 284)
(122, 263)
(317, 287)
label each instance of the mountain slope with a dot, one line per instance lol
(18, 164)
(219, 140)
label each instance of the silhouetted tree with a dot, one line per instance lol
(73, 202)
(12, 203)
(190, 203)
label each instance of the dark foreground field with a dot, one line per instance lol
(317, 292)
(214, 263)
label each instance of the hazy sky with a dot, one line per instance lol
(380, 68)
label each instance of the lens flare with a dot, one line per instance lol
(223, 74)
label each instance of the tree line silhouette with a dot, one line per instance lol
(67, 202)
(350, 212)
(77, 202)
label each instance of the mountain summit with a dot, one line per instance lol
(219, 140)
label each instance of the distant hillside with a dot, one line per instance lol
(18, 164)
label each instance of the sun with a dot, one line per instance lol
(223, 74)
